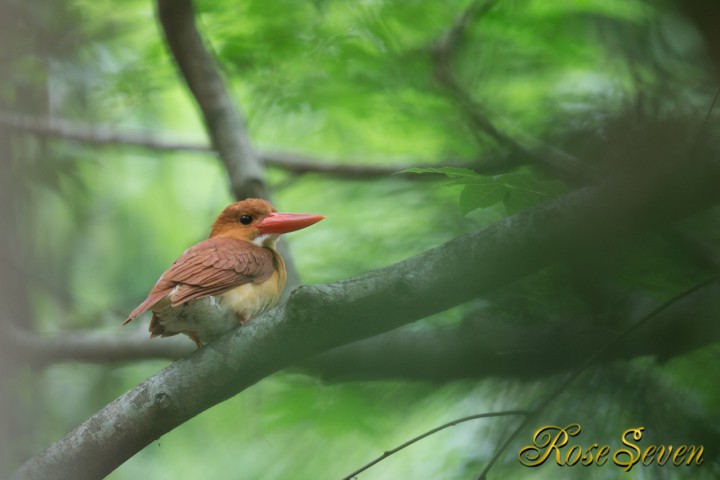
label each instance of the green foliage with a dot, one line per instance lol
(348, 82)
(515, 190)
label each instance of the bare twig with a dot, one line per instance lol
(300, 164)
(297, 164)
(594, 357)
(443, 51)
(387, 453)
(710, 109)
(100, 135)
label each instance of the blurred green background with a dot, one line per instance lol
(350, 82)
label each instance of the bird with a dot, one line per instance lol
(228, 279)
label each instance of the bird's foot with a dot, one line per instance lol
(195, 338)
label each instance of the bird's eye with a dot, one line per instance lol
(246, 219)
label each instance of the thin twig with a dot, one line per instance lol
(712, 105)
(387, 453)
(589, 361)
(443, 52)
(99, 135)
(297, 164)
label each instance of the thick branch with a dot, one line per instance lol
(317, 318)
(483, 347)
(225, 124)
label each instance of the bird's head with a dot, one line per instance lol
(255, 220)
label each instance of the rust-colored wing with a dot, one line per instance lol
(211, 267)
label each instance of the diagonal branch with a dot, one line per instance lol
(443, 52)
(225, 125)
(480, 347)
(483, 347)
(387, 453)
(317, 318)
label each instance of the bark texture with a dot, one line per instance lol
(321, 317)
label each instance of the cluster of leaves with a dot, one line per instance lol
(516, 191)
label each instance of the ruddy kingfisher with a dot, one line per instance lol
(226, 280)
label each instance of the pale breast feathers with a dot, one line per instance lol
(211, 267)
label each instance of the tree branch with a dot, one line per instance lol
(300, 164)
(105, 136)
(589, 360)
(99, 135)
(317, 318)
(225, 125)
(443, 52)
(387, 453)
(483, 347)
(90, 346)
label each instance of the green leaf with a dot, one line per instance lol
(517, 200)
(480, 191)
(478, 195)
(525, 190)
(519, 181)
